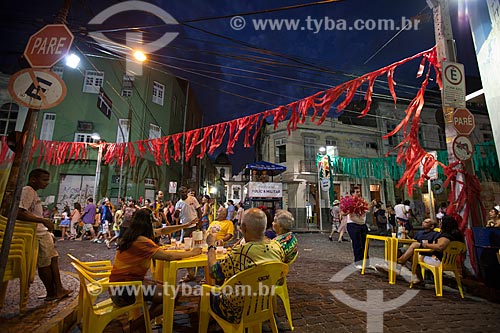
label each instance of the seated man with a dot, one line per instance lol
(257, 250)
(222, 228)
(426, 234)
(283, 223)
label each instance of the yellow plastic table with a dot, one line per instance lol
(390, 253)
(166, 271)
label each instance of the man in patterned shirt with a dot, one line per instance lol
(257, 250)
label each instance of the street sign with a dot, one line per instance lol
(172, 187)
(104, 103)
(325, 184)
(462, 148)
(463, 121)
(48, 45)
(37, 88)
(453, 85)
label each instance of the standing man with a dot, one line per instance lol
(88, 218)
(357, 229)
(30, 209)
(187, 210)
(231, 210)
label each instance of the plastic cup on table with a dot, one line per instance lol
(220, 250)
(425, 241)
(393, 235)
(188, 242)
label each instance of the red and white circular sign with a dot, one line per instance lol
(463, 148)
(37, 88)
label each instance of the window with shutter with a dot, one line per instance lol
(48, 123)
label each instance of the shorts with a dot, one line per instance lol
(105, 227)
(46, 250)
(87, 227)
(64, 223)
(126, 298)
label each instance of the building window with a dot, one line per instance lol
(84, 137)
(330, 142)
(58, 71)
(8, 118)
(371, 145)
(280, 150)
(93, 81)
(236, 192)
(123, 130)
(127, 85)
(309, 148)
(48, 122)
(154, 131)
(158, 93)
(127, 92)
(392, 139)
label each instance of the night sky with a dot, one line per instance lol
(242, 72)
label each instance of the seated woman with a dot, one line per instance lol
(449, 233)
(493, 218)
(133, 259)
(283, 223)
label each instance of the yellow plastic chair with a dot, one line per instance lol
(22, 260)
(256, 307)
(281, 291)
(98, 270)
(96, 316)
(92, 266)
(448, 263)
(16, 268)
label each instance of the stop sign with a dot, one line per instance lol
(48, 45)
(463, 121)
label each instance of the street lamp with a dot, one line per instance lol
(96, 137)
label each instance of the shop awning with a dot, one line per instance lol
(271, 168)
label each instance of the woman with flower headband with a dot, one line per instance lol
(355, 207)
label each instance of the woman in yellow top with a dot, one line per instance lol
(133, 259)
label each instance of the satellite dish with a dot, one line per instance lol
(437, 186)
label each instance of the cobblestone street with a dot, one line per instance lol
(314, 307)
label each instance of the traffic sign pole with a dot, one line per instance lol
(15, 183)
(446, 51)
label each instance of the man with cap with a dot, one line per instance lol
(335, 213)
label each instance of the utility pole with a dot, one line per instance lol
(446, 51)
(12, 195)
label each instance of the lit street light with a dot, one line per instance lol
(96, 136)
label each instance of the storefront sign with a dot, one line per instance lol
(265, 190)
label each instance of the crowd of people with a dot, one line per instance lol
(140, 228)
(139, 231)
(435, 234)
